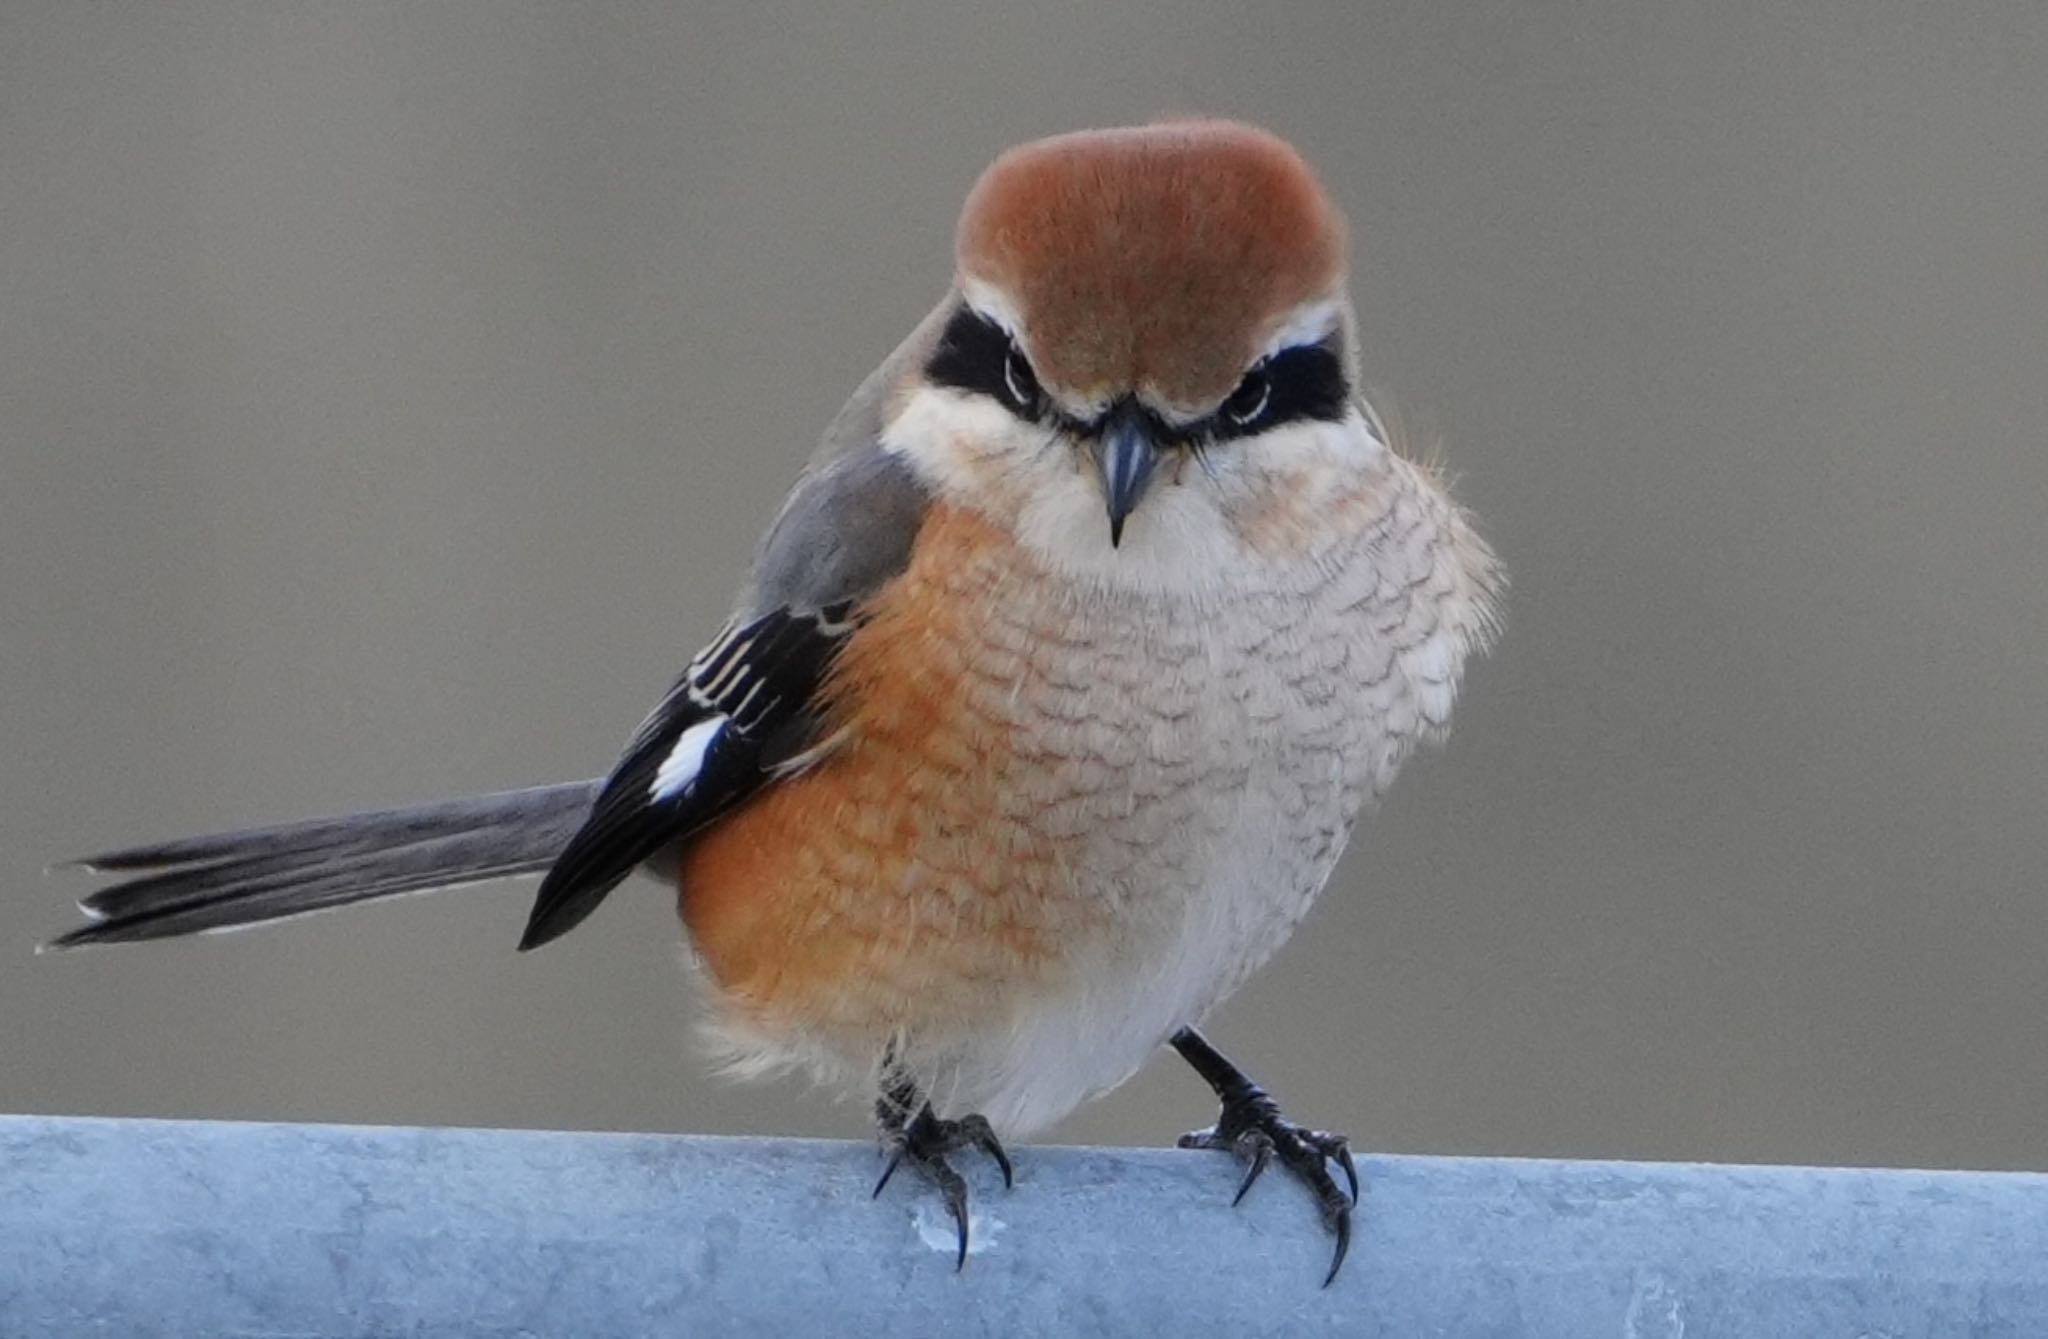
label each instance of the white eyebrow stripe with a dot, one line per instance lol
(1310, 323)
(993, 303)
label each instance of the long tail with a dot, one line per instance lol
(266, 874)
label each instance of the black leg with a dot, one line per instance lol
(912, 1133)
(1250, 1125)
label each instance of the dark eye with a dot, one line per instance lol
(1303, 382)
(1021, 382)
(977, 355)
(1251, 397)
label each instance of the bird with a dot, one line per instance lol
(1102, 614)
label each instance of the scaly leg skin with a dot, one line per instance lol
(923, 1141)
(1251, 1126)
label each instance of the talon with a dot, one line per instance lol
(1350, 1167)
(955, 1192)
(1250, 1126)
(1342, 1227)
(895, 1160)
(924, 1141)
(1262, 1136)
(1261, 1146)
(983, 1135)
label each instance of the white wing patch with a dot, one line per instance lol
(686, 759)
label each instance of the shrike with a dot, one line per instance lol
(1061, 680)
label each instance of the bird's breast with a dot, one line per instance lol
(1037, 783)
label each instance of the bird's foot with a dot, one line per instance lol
(924, 1141)
(1251, 1126)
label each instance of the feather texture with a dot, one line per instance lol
(739, 713)
(233, 879)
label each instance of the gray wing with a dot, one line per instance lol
(847, 528)
(848, 524)
(749, 697)
(748, 703)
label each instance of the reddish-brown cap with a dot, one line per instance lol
(1155, 257)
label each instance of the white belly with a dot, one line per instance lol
(1205, 769)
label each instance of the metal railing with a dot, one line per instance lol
(171, 1228)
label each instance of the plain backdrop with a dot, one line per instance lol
(390, 395)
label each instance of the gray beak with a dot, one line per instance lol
(1125, 453)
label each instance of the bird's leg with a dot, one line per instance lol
(912, 1133)
(1250, 1125)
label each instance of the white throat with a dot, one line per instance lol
(1192, 537)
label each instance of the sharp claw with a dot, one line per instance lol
(983, 1135)
(1259, 1135)
(956, 1202)
(924, 1142)
(1262, 1153)
(1350, 1167)
(895, 1160)
(1342, 1227)
(1244, 1186)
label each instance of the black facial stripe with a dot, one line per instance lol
(1304, 382)
(974, 354)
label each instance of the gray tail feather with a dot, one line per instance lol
(266, 874)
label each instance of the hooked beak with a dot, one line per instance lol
(1125, 453)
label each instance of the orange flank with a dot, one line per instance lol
(888, 886)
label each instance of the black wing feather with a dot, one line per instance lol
(759, 679)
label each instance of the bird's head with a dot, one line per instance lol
(1146, 353)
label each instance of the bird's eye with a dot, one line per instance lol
(976, 355)
(1021, 382)
(1306, 381)
(1250, 398)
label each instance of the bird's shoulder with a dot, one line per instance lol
(749, 708)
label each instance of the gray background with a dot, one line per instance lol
(389, 396)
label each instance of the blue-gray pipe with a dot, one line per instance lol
(116, 1228)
